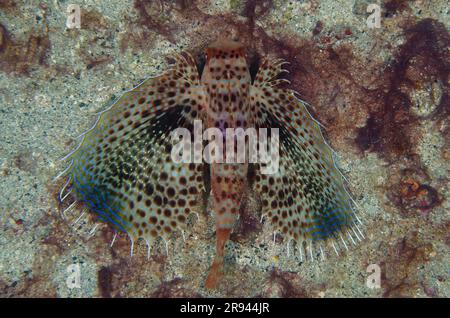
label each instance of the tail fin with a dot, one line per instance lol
(216, 270)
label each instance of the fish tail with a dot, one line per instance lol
(216, 270)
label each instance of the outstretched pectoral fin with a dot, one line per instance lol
(305, 200)
(123, 169)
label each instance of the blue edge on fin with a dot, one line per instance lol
(98, 201)
(328, 223)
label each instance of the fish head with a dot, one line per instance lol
(225, 60)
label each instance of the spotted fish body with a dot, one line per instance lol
(226, 79)
(124, 172)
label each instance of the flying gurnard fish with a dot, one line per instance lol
(123, 169)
